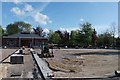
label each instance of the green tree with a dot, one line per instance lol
(25, 27)
(60, 33)
(118, 42)
(50, 36)
(1, 30)
(64, 35)
(74, 37)
(65, 39)
(19, 26)
(105, 39)
(100, 39)
(81, 37)
(86, 33)
(54, 38)
(1, 35)
(12, 29)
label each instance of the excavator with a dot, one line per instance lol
(46, 52)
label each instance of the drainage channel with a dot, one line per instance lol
(42, 67)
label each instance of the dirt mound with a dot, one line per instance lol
(59, 66)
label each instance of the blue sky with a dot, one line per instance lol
(61, 15)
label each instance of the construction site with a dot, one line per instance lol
(59, 40)
(58, 64)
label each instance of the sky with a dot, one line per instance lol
(61, 15)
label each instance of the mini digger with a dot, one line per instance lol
(46, 52)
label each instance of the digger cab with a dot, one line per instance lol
(45, 49)
(45, 52)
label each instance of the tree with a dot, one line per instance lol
(60, 33)
(39, 31)
(65, 38)
(1, 35)
(113, 31)
(118, 42)
(50, 36)
(1, 31)
(12, 29)
(86, 32)
(74, 37)
(108, 39)
(19, 26)
(54, 38)
(61, 36)
(25, 27)
(104, 39)
(81, 37)
(64, 35)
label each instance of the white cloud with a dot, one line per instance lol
(62, 29)
(81, 20)
(16, 1)
(28, 7)
(50, 21)
(4, 28)
(46, 30)
(29, 11)
(41, 18)
(116, 35)
(23, 11)
(32, 30)
(103, 28)
(68, 29)
(17, 11)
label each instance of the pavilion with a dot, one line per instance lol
(23, 39)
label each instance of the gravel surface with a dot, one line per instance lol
(24, 70)
(4, 67)
(5, 52)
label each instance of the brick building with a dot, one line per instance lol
(23, 39)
